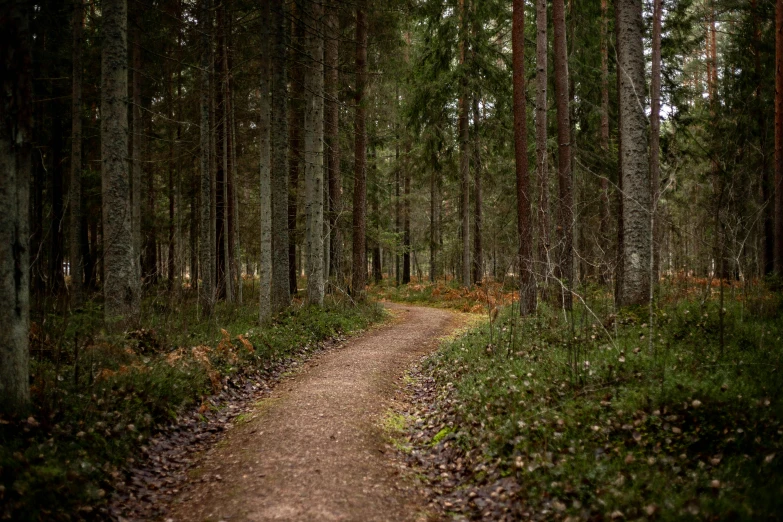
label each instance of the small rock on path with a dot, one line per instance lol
(314, 450)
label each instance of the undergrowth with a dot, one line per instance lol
(98, 397)
(592, 420)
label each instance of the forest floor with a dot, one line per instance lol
(315, 449)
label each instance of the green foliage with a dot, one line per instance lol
(96, 405)
(587, 419)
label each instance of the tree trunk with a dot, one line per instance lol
(206, 245)
(779, 137)
(406, 214)
(75, 190)
(565, 207)
(55, 269)
(464, 146)
(295, 125)
(634, 156)
(478, 252)
(136, 145)
(121, 286)
(172, 139)
(359, 275)
(332, 138)
(434, 214)
(655, 131)
(541, 141)
(604, 144)
(281, 293)
(313, 153)
(16, 108)
(527, 285)
(265, 202)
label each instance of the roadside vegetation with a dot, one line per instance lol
(596, 414)
(97, 397)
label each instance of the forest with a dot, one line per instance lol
(391, 260)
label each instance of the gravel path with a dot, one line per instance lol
(314, 450)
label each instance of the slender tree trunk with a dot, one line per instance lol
(527, 285)
(565, 212)
(779, 137)
(56, 278)
(332, 137)
(634, 156)
(281, 293)
(16, 109)
(360, 156)
(136, 145)
(206, 244)
(295, 125)
(75, 190)
(434, 214)
(121, 286)
(620, 259)
(265, 203)
(377, 269)
(406, 213)
(655, 131)
(541, 142)
(313, 153)
(604, 144)
(172, 139)
(464, 146)
(478, 252)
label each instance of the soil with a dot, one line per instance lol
(315, 448)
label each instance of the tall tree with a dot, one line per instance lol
(542, 172)
(121, 284)
(527, 285)
(634, 158)
(478, 248)
(359, 276)
(313, 153)
(565, 204)
(265, 195)
(16, 110)
(136, 138)
(281, 294)
(655, 127)
(75, 190)
(604, 140)
(332, 136)
(464, 143)
(206, 244)
(779, 137)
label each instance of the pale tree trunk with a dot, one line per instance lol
(541, 141)
(655, 130)
(281, 295)
(313, 153)
(464, 148)
(478, 252)
(121, 284)
(332, 138)
(604, 143)
(565, 207)
(136, 146)
(206, 244)
(634, 156)
(265, 203)
(359, 275)
(75, 191)
(16, 108)
(527, 285)
(779, 137)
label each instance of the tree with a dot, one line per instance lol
(527, 288)
(75, 190)
(655, 126)
(359, 276)
(565, 204)
(542, 171)
(121, 286)
(313, 153)
(206, 244)
(281, 295)
(779, 137)
(265, 194)
(634, 159)
(16, 110)
(604, 138)
(332, 137)
(464, 144)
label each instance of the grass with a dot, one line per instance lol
(446, 294)
(592, 421)
(97, 397)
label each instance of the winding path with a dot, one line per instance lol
(314, 450)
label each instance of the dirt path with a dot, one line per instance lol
(314, 450)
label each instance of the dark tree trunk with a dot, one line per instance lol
(75, 190)
(360, 156)
(779, 137)
(478, 251)
(332, 138)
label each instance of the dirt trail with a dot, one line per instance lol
(314, 450)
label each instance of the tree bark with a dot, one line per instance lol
(604, 144)
(136, 144)
(332, 138)
(565, 212)
(281, 293)
(121, 284)
(527, 285)
(478, 251)
(313, 153)
(16, 108)
(75, 190)
(779, 137)
(464, 145)
(206, 244)
(359, 275)
(295, 127)
(634, 156)
(541, 142)
(265, 202)
(406, 214)
(655, 131)
(434, 214)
